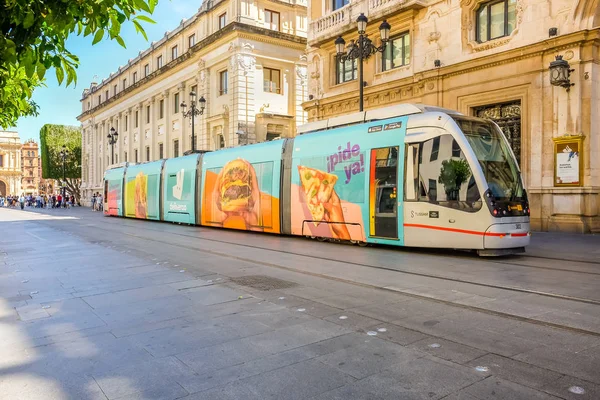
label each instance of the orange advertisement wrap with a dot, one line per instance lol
(142, 191)
(114, 196)
(326, 200)
(238, 196)
(113, 188)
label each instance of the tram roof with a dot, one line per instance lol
(398, 110)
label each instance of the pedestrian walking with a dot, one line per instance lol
(22, 201)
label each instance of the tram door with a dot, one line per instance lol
(383, 193)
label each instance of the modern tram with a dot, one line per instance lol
(405, 175)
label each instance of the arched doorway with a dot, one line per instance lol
(2, 189)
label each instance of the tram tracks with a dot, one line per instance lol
(363, 284)
(362, 264)
(398, 270)
(425, 252)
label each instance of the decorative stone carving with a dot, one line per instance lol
(569, 55)
(434, 37)
(315, 76)
(244, 62)
(301, 73)
(468, 9)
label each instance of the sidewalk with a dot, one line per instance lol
(565, 246)
(114, 309)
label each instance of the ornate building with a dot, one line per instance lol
(245, 58)
(10, 163)
(31, 168)
(484, 58)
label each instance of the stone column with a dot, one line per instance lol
(166, 134)
(242, 104)
(183, 91)
(300, 95)
(203, 79)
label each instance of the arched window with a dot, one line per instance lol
(496, 19)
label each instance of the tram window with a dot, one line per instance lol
(412, 172)
(432, 190)
(387, 201)
(444, 175)
(455, 148)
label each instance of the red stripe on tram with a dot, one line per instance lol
(441, 228)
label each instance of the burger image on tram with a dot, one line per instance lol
(234, 187)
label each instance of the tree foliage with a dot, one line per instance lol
(33, 34)
(52, 140)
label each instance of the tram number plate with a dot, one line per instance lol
(518, 226)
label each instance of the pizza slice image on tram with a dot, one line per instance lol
(318, 188)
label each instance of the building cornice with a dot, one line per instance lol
(549, 46)
(420, 82)
(295, 4)
(242, 30)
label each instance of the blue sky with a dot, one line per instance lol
(60, 105)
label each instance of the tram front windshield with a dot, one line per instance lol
(494, 156)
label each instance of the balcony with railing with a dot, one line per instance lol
(338, 21)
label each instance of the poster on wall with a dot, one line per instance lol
(567, 163)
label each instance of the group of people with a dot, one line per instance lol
(97, 202)
(38, 201)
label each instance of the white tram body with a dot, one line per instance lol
(498, 224)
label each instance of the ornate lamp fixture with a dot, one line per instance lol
(194, 111)
(560, 73)
(362, 48)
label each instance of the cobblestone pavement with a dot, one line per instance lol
(107, 308)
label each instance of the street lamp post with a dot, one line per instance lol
(193, 112)
(112, 139)
(64, 153)
(361, 49)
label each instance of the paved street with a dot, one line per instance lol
(106, 308)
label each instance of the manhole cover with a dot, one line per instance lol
(262, 282)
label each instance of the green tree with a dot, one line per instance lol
(33, 34)
(52, 140)
(453, 174)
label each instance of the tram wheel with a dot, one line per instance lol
(321, 239)
(363, 244)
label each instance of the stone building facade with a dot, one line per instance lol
(246, 58)
(31, 168)
(484, 58)
(10, 163)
